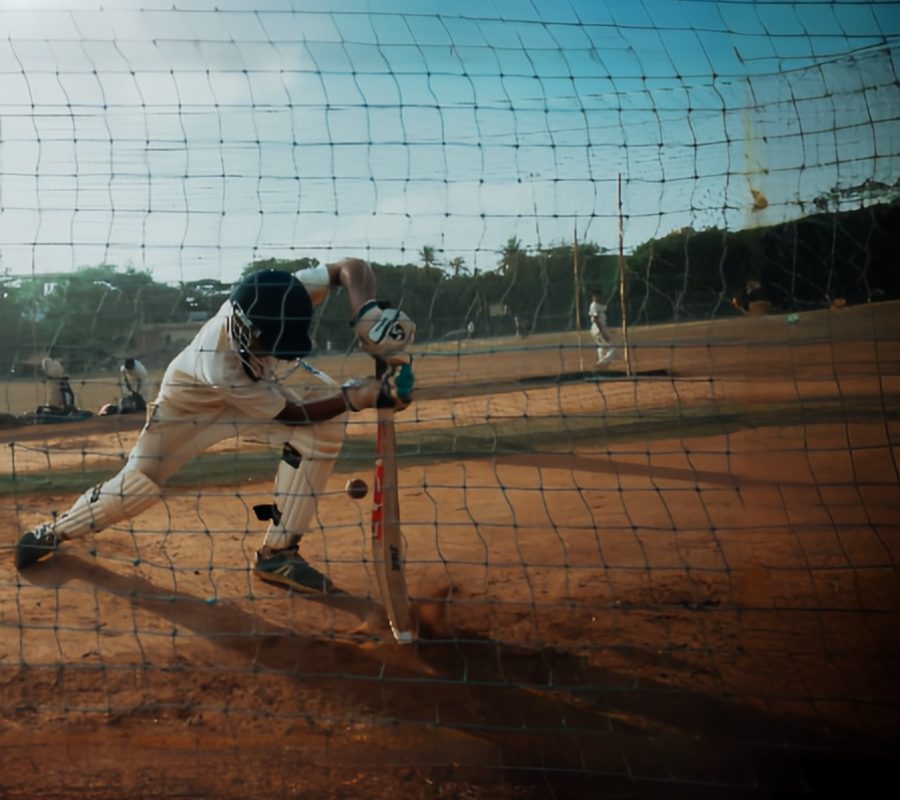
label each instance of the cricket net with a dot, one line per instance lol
(664, 564)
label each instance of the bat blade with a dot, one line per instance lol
(387, 539)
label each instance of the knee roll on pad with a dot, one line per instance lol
(291, 455)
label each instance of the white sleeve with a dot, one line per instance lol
(317, 282)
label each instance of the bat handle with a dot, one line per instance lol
(380, 368)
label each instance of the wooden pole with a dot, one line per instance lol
(622, 283)
(577, 284)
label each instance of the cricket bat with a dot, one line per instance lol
(387, 540)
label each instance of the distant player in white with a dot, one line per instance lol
(133, 376)
(225, 383)
(133, 382)
(58, 395)
(599, 331)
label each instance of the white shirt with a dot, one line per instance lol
(597, 313)
(208, 374)
(52, 368)
(134, 379)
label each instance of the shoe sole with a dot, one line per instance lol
(277, 580)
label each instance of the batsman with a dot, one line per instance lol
(230, 382)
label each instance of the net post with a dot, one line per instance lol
(577, 282)
(622, 299)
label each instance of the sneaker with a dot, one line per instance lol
(288, 568)
(35, 544)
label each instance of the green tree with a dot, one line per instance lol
(458, 267)
(202, 297)
(427, 256)
(286, 265)
(511, 256)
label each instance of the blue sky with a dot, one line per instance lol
(190, 141)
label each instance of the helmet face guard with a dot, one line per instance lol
(242, 329)
(271, 315)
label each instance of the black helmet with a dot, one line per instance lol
(273, 306)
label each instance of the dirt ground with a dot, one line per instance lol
(681, 583)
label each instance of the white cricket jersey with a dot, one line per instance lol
(208, 373)
(597, 310)
(136, 378)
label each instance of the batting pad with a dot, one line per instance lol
(121, 497)
(299, 480)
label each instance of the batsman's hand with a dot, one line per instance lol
(397, 386)
(393, 390)
(383, 332)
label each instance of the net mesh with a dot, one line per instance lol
(650, 553)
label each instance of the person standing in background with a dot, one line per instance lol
(599, 331)
(133, 381)
(58, 395)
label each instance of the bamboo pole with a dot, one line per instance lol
(577, 283)
(622, 283)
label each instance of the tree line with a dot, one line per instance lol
(91, 317)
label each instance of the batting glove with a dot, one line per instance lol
(397, 387)
(383, 332)
(393, 390)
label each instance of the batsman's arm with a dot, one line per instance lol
(391, 389)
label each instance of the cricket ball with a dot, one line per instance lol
(357, 488)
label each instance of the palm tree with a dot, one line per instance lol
(427, 254)
(458, 266)
(511, 256)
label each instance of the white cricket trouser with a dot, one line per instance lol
(170, 439)
(601, 338)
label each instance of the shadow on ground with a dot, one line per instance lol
(507, 721)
